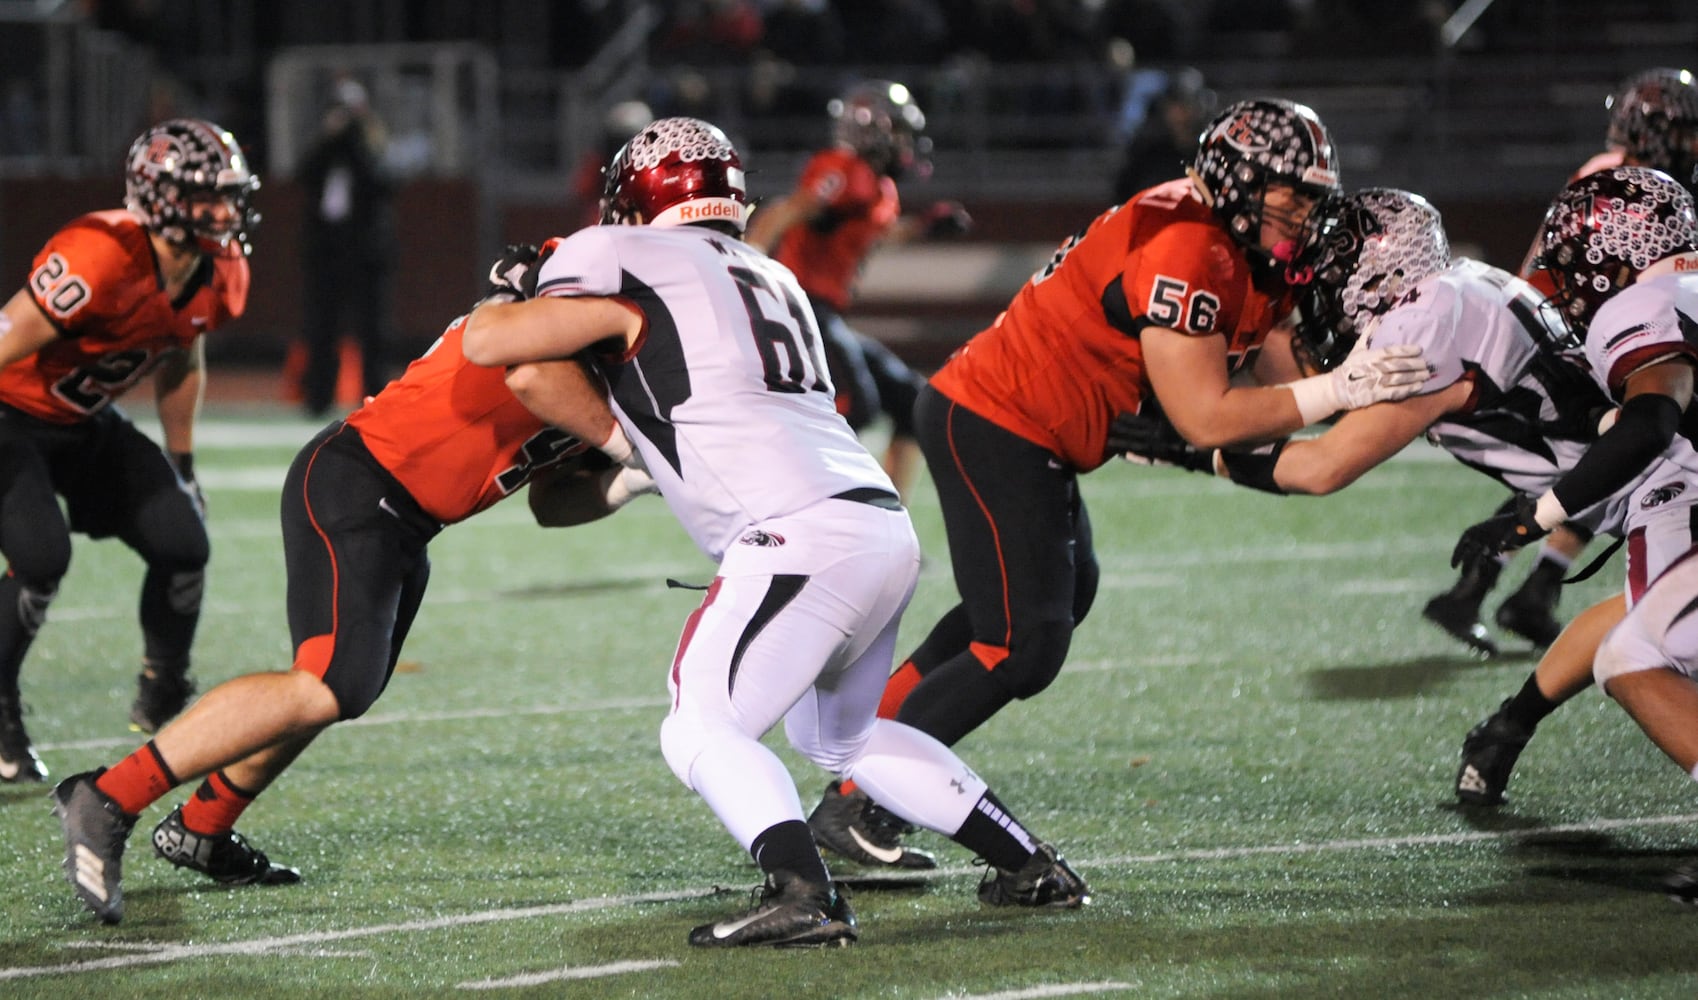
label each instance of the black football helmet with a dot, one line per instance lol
(171, 166)
(1654, 119)
(1383, 243)
(1253, 144)
(879, 120)
(1603, 230)
(674, 172)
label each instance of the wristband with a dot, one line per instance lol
(184, 463)
(1315, 398)
(617, 446)
(1254, 469)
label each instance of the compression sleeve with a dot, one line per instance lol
(1643, 431)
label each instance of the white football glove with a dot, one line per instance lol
(1380, 375)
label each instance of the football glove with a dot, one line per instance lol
(1497, 534)
(1366, 377)
(1148, 439)
(513, 274)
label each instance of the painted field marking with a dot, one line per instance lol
(569, 972)
(1054, 990)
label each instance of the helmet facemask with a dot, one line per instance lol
(1654, 120)
(1251, 147)
(187, 180)
(1382, 244)
(1604, 229)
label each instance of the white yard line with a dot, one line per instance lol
(1041, 992)
(139, 955)
(569, 972)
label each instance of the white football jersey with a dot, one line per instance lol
(1532, 414)
(725, 394)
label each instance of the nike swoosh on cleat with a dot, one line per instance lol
(888, 855)
(723, 931)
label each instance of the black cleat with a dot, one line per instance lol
(1461, 618)
(855, 827)
(159, 698)
(1529, 616)
(18, 762)
(1489, 753)
(788, 912)
(95, 830)
(1681, 885)
(1044, 881)
(226, 857)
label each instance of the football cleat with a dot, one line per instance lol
(1044, 881)
(159, 699)
(226, 857)
(18, 762)
(788, 912)
(1528, 612)
(1461, 618)
(1681, 885)
(855, 827)
(1489, 753)
(95, 830)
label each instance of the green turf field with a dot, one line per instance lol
(1249, 757)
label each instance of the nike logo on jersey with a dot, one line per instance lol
(197, 321)
(888, 855)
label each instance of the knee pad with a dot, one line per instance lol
(184, 590)
(1616, 657)
(681, 742)
(32, 606)
(1035, 658)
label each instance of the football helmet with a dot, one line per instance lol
(674, 172)
(879, 120)
(176, 170)
(1251, 145)
(1603, 230)
(1655, 122)
(1383, 243)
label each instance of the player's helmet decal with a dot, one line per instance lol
(879, 120)
(172, 169)
(1384, 242)
(1655, 121)
(674, 172)
(1255, 143)
(1604, 229)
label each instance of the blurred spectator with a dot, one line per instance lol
(1165, 144)
(349, 251)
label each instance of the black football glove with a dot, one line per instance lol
(1148, 439)
(1498, 534)
(514, 273)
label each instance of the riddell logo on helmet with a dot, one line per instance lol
(715, 209)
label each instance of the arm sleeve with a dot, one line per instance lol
(1646, 427)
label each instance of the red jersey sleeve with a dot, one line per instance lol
(86, 276)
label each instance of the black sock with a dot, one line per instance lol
(992, 832)
(789, 847)
(1529, 706)
(953, 700)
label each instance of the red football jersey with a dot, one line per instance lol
(1064, 358)
(453, 433)
(98, 282)
(862, 205)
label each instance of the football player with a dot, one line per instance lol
(714, 365)
(361, 502)
(845, 204)
(1161, 300)
(113, 297)
(1621, 246)
(1653, 123)
(1497, 402)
